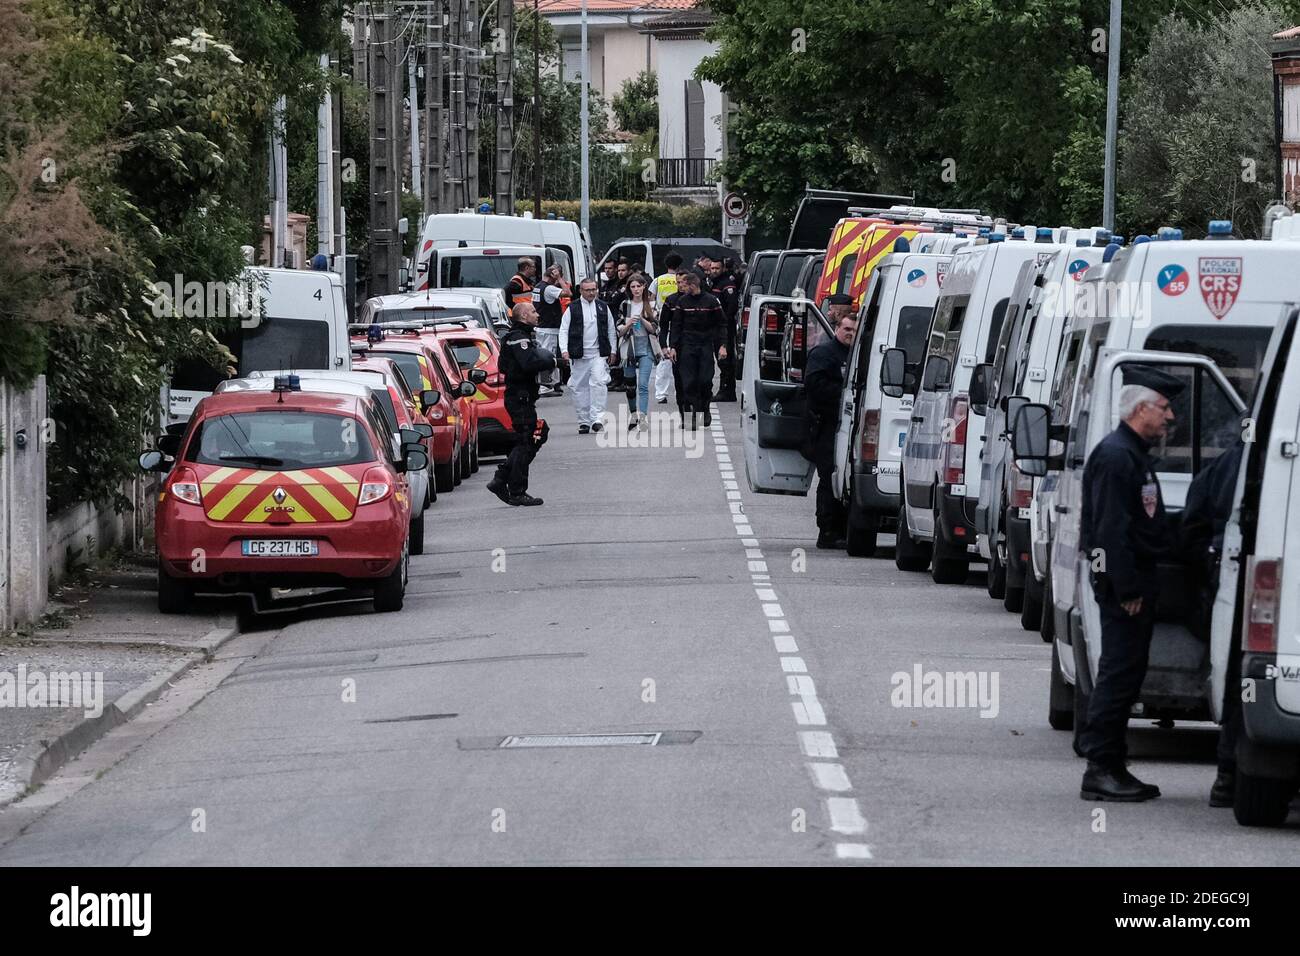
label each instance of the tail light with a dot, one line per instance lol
(1022, 489)
(771, 322)
(744, 318)
(955, 465)
(1265, 580)
(797, 337)
(434, 413)
(871, 434)
(496, 380)
(375, 486)
(184, 486)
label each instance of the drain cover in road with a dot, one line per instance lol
(581, 740)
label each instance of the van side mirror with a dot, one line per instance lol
(478, 376)
(430, 397)
(979, 388)
(1031, 438)
(893, 372)
(1011, 404)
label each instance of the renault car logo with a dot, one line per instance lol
(279, 496)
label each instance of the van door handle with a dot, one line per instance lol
(1062, 510)
(918, 418)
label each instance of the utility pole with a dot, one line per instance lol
(456, 106)
(1112, 115)
(360, 32)
(385, 174)
(435, 148)
(505, 52)
(278, 186)
(336, 161)
(417, 167)
(585, 206)
(324, 174)
(473, 41)
(537, 109)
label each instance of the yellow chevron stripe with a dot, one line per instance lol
(234, 496)
(336, 509)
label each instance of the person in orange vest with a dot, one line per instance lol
(520, 287)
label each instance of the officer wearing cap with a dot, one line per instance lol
(1123, 534)
(823, 381)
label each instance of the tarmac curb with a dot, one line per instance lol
(39, 760)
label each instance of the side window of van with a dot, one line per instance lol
(844, 278)
(995, 329)
(1238, 352)
(1063, 384)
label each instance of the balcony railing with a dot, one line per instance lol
(680, 171)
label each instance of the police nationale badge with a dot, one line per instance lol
(1220, 280)
(1150, 496)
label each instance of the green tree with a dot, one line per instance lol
(636, 104)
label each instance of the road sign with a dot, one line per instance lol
(737, 227)
(734, 206)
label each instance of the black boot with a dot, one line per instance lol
(1225, 786)
(1115, 783)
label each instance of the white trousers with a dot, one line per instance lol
(663, 379)
(588, 382)
(549, 339)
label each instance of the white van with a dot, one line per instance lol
(1021, 372)
(450, 230)
(299, 323)
(489, 267)
(1204, 310)
(896, 312)
(941, 476)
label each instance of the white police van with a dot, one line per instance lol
(1022, 364)
(941, 479)
(896, 312)
(1203, 311)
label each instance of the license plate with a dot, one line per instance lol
(280, 548)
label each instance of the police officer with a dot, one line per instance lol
(697, 336)
(548, 298)
(521, 362)
(823, 382)
(722, 284)
(1123, 534)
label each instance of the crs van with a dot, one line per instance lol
(648, 254)
(298, 321)
(1022, 364)
(873, 426)
(941, 465)
(489, 267)
(449, 230)
(1204, 311)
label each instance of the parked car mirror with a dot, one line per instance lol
(979, 388)
(425, 429)
(467, 389)
(1011, 404)
(893, 372)
(410, 436)
(478, 376)
(430, 397)
(153, 461)
(414, 458)
(1031, 437)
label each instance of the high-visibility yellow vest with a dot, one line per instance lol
(665, 285)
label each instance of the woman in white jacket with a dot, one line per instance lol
(638, 346)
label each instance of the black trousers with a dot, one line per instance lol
(1125, 644)
(831, 516)
(696, 363)
(514, 470)
(727, 367)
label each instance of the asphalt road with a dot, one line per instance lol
(651, 595)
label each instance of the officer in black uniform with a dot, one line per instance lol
(823, 382)
(521, 361)
(697, 336)
(1123, 534)
(722, 284)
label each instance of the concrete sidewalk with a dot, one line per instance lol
(107, 628)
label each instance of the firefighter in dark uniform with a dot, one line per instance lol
(520, 287)
(697, 336)
(823, 381)
(522, 359)
(722, 284)
(1123, 534)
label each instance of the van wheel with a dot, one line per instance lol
(1262, 801)
(861, 538)
(997, 577)
(1031, 608)
(909, 554)
(1014, 599)
(1060, 700)
(444, 476)
(948, 570)
(390, 592)
(417, 534)
(1047, 622)
(174, 594)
